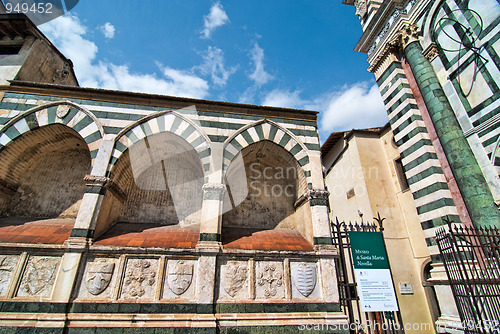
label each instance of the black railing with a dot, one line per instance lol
(360, 322)
(471, 257)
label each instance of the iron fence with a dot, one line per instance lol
(360, 322)
(471, 257)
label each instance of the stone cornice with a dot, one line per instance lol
(403, 15)
(376, 25)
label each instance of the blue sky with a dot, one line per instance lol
(296, 54)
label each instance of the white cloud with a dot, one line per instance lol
(283, 98)
(108, 30)
(358, 106)
(216, 18)
(214, 66)
(259, 75)
(68, 34)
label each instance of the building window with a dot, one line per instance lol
(403, 181)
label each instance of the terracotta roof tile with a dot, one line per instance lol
(241, 238)
(35, 231)
(149, 235)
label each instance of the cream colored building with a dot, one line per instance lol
(364, 178)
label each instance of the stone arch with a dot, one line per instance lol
(427, 25)
(42, 173)
(66, 113)
(156, 181)
(164, 121)
(265, 187)
(271, 131)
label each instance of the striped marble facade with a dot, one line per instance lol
(20, 113)
(423, 169)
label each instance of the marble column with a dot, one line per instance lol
(470, 179)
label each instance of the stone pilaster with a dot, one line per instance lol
(94, 193)
(470, 180)
(211, 212)
(318, 201)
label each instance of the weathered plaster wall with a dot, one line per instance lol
(46, 168)
(44, 65)
(273, 179)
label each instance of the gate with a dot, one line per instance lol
(471, 258)
(360, 322)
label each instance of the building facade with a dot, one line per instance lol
(365, 178)
(121, 209)
(437, 66)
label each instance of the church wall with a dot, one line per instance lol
(96, 277)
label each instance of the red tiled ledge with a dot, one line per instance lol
(35, 231)
(149, 235)
(244, 238)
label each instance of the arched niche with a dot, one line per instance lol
(42, 173)
(264, 183)
(157, 181)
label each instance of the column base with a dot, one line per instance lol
(449, 324)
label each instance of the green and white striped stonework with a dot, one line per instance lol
(479, 112)
(422, 167)
(130, 123)
(267, 130)
(164, 121)
(371, 9)
(78, 118)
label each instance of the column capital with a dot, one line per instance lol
(213, 190)
(361, 8)
(431, 52)
(95, 181)
(315, 197)
(318, 193)
(408, 34)
(218, 188)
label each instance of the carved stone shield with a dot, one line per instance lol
(39, 274)
(99, 275)
(179, 276)
(235, 278)
(304, 278)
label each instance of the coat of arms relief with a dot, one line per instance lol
(39, 276)
(235, 278)
(304, 277)
(99, 274)
(7, 265)
(140, 277)
(179, 276)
